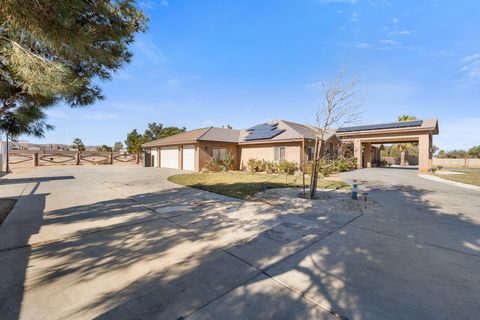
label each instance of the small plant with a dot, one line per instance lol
(253, 165)
(271, 167)
(439, 167)
(212, 166)
(433, 169)
(287, 167)
(228, 162)
(383, 163)
(261, 165)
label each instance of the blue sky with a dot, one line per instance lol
(205, 63)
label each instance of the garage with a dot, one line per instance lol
(188, 158)
(154, 157)
(169, 157)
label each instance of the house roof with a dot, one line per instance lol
(415, 125)
(221, 135)
(202, 134)
(289, 131)
(184, 137)
(292, 131)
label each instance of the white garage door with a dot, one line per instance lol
(169, 157)
(189, 158)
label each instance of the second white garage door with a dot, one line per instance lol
(169, 157)
(189, 158)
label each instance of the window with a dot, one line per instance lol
(279, 153)
(219, 154)
(309, 151)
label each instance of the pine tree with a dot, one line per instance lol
(117, 146)
(51, 51)
(78, 144)
(134, 141)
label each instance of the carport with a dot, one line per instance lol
(418, 131)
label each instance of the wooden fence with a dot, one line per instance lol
(36, 159)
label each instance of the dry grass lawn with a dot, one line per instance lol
(470, 176)
(243, 184)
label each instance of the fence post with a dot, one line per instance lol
(35, 159)
(138, 158)
(110, 158)
(77, 158)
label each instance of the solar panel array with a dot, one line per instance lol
(392, 125)
(263, 131)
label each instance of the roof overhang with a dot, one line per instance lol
(429, 126)
(168, 144)
(253, 142)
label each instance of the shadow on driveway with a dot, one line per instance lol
(194, 262)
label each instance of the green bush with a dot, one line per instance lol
(346, 164)
(287, 167)
(328, 167)
(271, 167)
(212, 166)
(228, 162)
(253, 165)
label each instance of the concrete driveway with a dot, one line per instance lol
(122, 242)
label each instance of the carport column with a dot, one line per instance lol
(424, 148)
(368, 154)
(402, 158)
(357, 152)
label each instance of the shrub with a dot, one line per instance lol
(439, 167)
(212, 166)
(346, 164)
(271, 167)
(261, 165)
(287, 167)
(253, 165)
(228, 162)
(326, 167)
(433, 169)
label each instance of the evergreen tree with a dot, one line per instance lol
(50, 51)
(474, 152)
(154, 131)
(134, 141)
(78, 144)
(170, 131)
(117, 146)
(104, 148)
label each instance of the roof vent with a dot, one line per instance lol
(227, 126)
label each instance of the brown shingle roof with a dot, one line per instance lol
(292, 131)
(202, 134)
(184, 137)
(221, 135)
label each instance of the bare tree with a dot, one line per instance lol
(340, 106)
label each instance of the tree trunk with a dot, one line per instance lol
(319, 150)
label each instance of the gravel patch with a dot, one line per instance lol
(327, 202)
(6, 205)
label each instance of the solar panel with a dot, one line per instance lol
(392, 125)
(263, 131)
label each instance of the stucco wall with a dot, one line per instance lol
(266, 152)
(456, 163)
(205, 152)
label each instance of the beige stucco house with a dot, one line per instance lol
(272, 141)
(278, 140)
